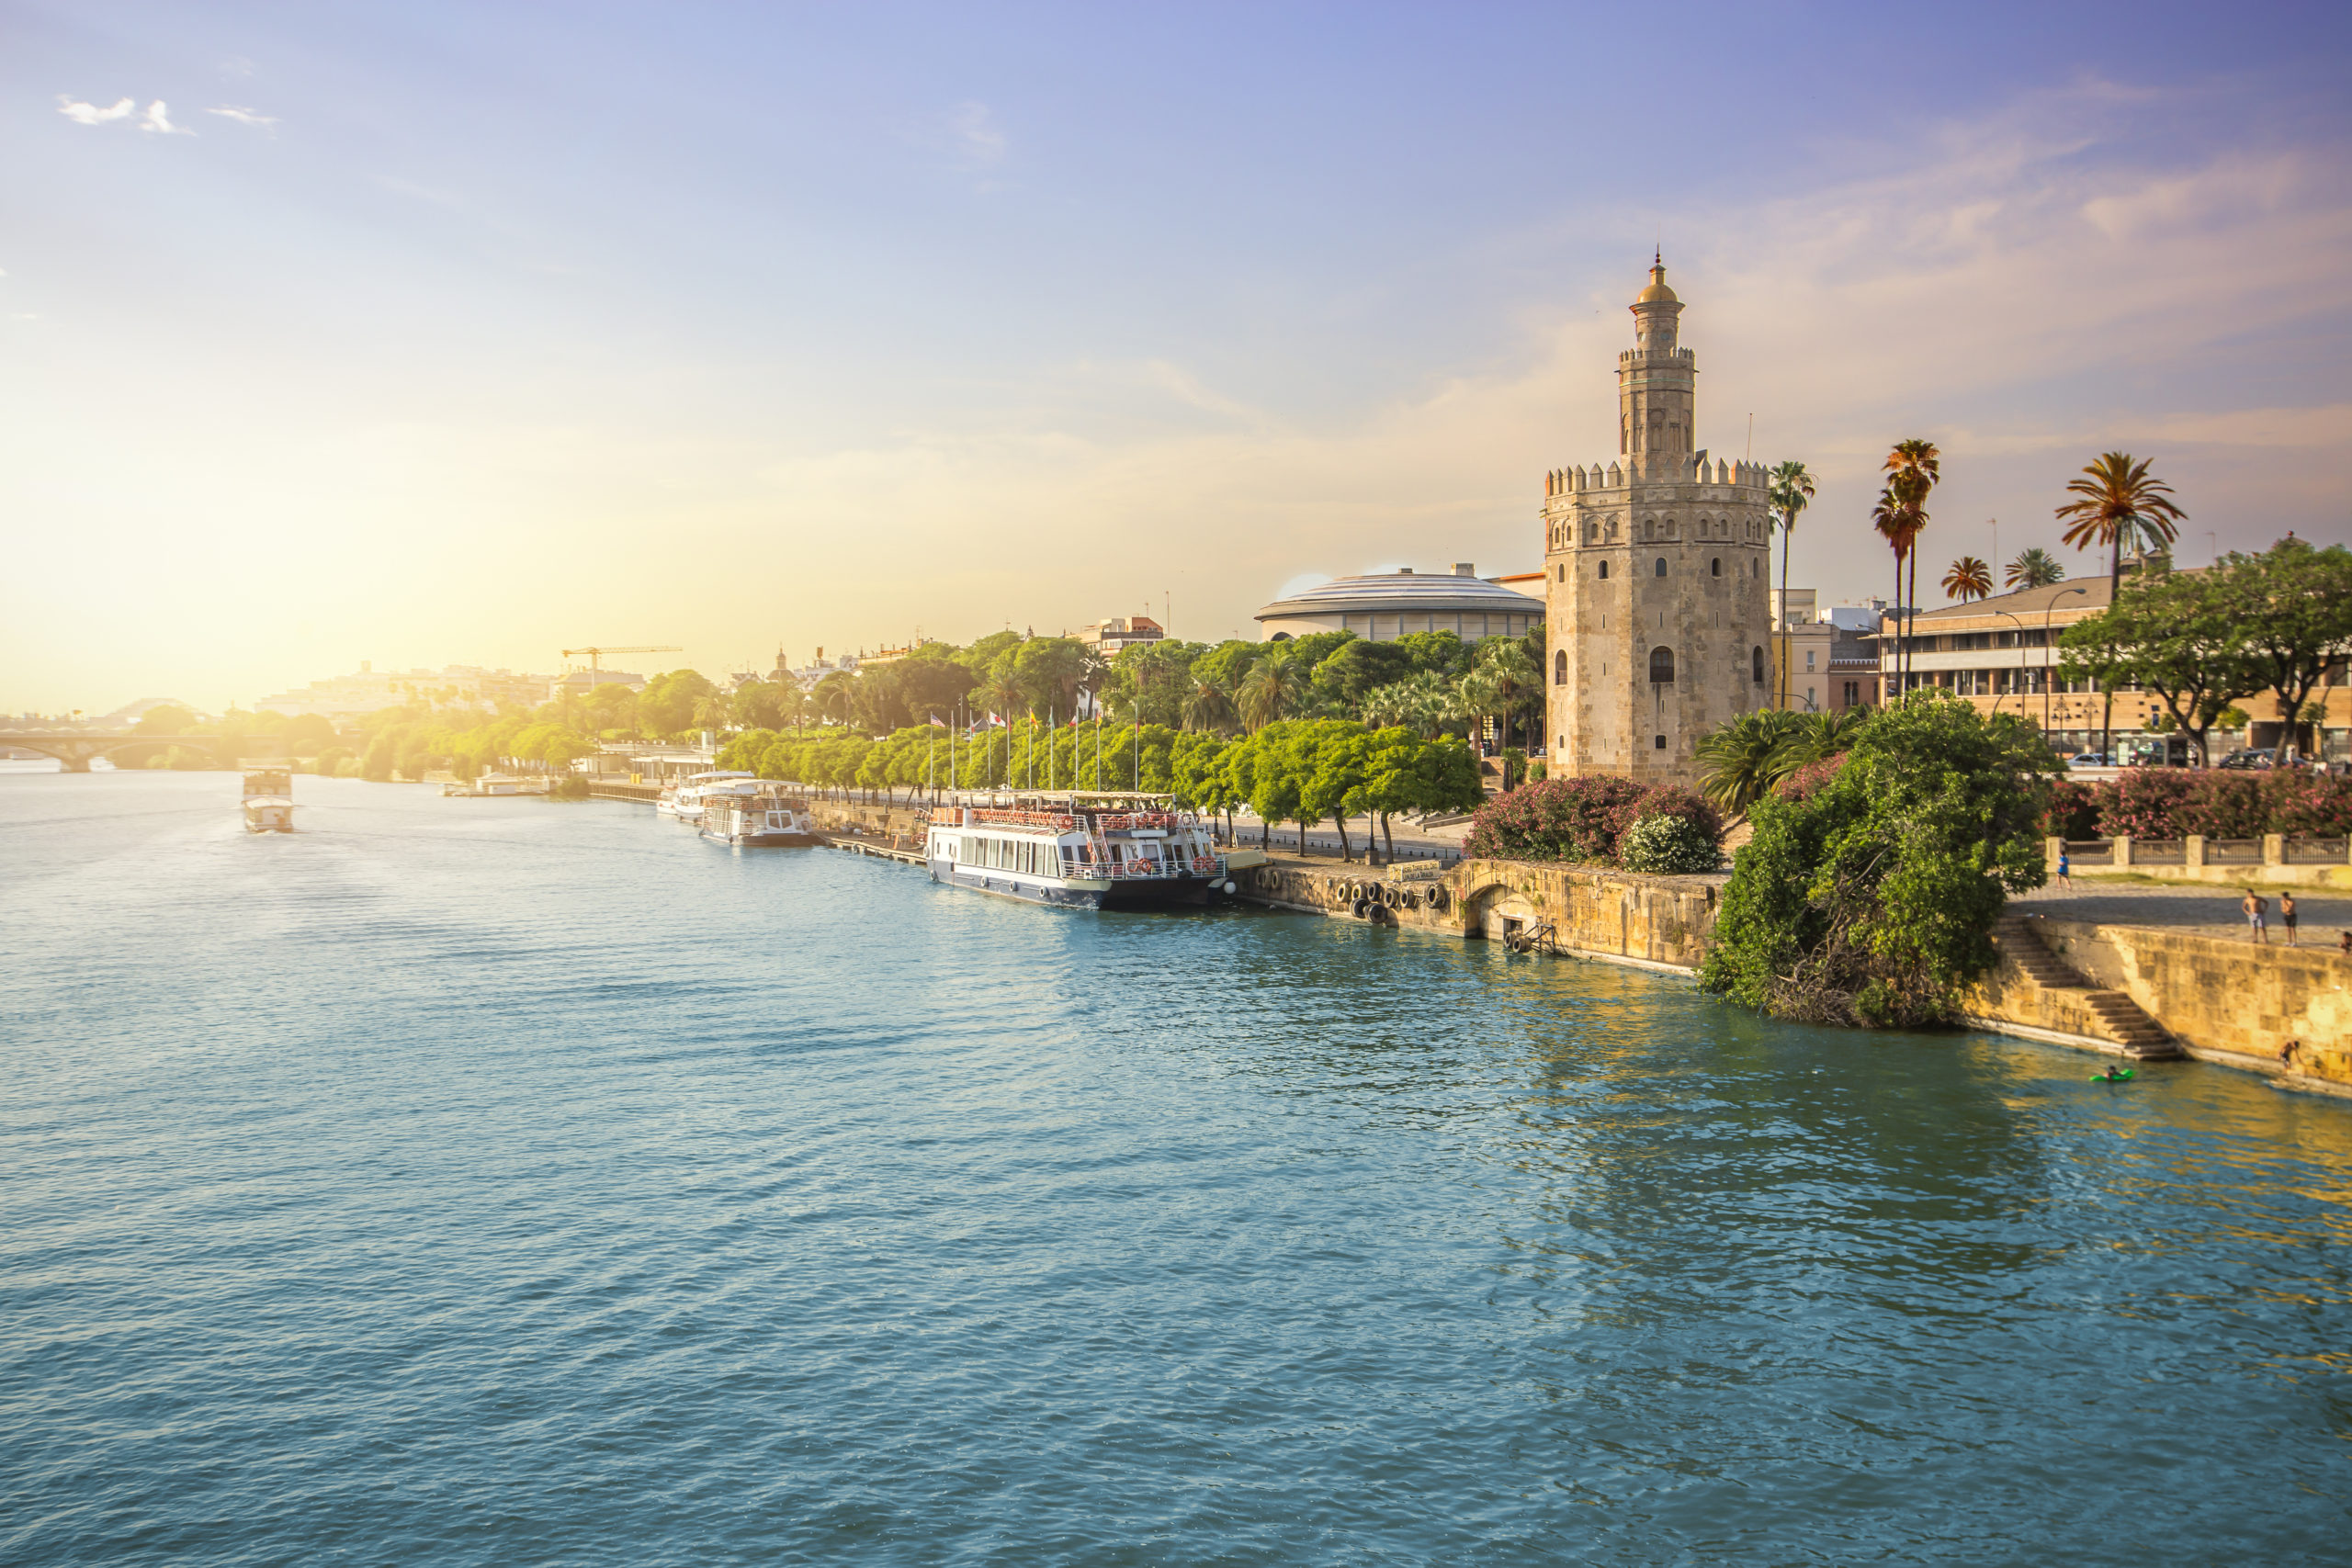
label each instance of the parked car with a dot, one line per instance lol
(2087, 760)
(2246, 757)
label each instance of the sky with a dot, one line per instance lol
(432, 333)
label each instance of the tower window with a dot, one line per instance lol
(1661, 566)
(1660, 743)
(1564, 571)
(1715, 567)
(1604, 571)
(1560, 668)
(1756, 665)
(1662, 666)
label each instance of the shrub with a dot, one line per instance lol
(1668, 846)
(1872, 898)
(1579, 819)
(2174, 802)
(2070, 810)
(571, 786)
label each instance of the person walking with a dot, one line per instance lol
(2254, 908)
(2286, 916)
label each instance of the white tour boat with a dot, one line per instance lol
(684, 800)
(768, 818)
(269, 800)
(1082, 848)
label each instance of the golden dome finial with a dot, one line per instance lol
(1657, 293)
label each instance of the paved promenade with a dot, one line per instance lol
(2323, 915)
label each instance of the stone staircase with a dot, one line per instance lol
(2118, 1017)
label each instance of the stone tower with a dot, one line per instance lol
(1658, 598)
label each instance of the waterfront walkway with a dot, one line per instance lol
(2208, 910)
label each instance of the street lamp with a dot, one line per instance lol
(2020, 625)
(2046, 614)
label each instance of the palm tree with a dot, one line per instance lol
(1817, 737)
(2034, 567)
(1422, 702)
(1271, 689)
(2117, 501)
(1968, 579)
(1741, 760)
(1002, 694)
(1914, 466)
(1792, 488)
(1504, 681)
(1209, 707)
(1893, 517)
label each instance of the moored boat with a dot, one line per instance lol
(763, 820)
(684, 800)
(1085, 850)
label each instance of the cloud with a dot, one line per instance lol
(979, 141)
(244, 116)
(90, 114)
(156, 120)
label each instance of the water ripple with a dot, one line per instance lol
(501, 1182)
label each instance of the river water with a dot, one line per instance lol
(507, 1182)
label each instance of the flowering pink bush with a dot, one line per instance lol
(2174, 802)
(1579, 819)
(1809, 779)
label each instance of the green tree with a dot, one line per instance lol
(669, 700)
(2290, 611)
(2176, 634)
(757, 705)
(1441, 653)
(1792, 492)
(1356, 667)
(1335, 772)
(1051, 670)
(165, 718)
(1872, 898)
(1229, 662)
(1151, 681)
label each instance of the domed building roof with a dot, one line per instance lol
(1378, 605)
(1657, 293)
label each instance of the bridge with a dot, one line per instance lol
(76, 749)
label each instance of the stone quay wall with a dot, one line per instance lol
(2238, 1002)
(1653, 922)
(2233, 1003)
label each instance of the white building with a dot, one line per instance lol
(1384, 607)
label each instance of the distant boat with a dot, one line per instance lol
(497, 784)
(1085, 850)
(269, 800)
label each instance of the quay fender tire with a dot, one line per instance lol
(1357, 908)
(1437, 899)
(1390, 896)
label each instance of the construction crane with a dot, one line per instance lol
(593, 654)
